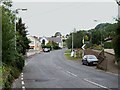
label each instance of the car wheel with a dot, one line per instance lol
(87, 63)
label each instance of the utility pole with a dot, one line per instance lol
(73, 38)
(72, 52)
(72, 41)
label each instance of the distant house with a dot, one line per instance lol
(35, 43)
(57, 40)
(43, 40)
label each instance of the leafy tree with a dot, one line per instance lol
(86, 37)
(116, 42)
(102, 31)
(96, 37)
(55, 45)
(8, 40)
(77, 39)
(58, 34)
(22, 40)
(12, 58)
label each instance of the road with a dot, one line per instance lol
(53, 70)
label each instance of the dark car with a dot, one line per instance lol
(89, 60)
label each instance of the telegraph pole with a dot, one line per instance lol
(73, 38)
(72, 41)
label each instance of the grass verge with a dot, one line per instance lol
(9, 74)
(68, 53)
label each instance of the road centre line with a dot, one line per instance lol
(23, 87)
(96, 84)
(71, 73)
(23, 83)
(21, 78)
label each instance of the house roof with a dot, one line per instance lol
(55, 39)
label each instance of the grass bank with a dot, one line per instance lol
(77, 55)
(8, 75)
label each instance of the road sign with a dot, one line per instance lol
(83, 47)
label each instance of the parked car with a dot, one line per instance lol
(89, 60)
(46, 49)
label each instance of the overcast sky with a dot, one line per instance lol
(46, 18)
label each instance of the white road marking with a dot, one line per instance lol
(23, 83)
(96, 84)
(23, 87)
(21, 75)
(21, 78)
(26, 63)
(71, 73)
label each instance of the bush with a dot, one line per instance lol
(19, 62)
(108, 45)
(116, 45)
(56, 47)
(9, 74)
(97, 47)
(14, 72)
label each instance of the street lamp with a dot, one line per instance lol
(16, 12)
(118, 2)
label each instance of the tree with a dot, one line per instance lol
(58, 34)
(86, 38)
(22, 40)
(116, 42)
(12, 58)
(8, 45)
(77, 39)
(96, 37)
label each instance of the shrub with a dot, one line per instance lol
(108, 45)
(97, 47)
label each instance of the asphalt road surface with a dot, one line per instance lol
(53, 70)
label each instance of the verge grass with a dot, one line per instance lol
(68, 55)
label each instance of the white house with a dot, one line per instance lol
(43, 39)
(35, 43)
